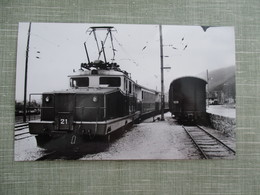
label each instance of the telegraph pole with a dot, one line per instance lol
(25, 75)
(208, 87)
(162, 77)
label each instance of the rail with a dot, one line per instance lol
(217, 139)
(196, 144)
(208, 145)
(21, 131)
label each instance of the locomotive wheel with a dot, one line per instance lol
(105, 139)
(42, 140)
(108, 137)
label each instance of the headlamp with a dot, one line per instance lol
(47, 99)
(95, 99)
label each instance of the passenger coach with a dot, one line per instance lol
(187, 99)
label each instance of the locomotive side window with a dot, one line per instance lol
(79, 82)
(130, 87)
(110, 81)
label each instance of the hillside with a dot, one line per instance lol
(222, 79)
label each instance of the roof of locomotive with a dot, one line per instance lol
(94, 72)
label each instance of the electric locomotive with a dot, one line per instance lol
(101, 100)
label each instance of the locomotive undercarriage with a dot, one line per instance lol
(100, 130)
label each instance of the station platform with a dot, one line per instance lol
(222, 110)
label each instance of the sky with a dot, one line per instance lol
(56, 49)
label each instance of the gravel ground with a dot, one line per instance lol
(150, 140)
(27, 150)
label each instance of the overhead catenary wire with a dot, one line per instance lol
(130, 58)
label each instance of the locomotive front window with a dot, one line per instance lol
(110, 81)
(79, 82)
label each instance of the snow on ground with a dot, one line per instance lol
(222, 110)
(150, 140)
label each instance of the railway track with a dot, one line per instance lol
(208, 145)
(21, 131)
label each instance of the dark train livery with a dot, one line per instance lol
(101, 99)
(187, 100)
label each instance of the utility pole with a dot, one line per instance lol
(25, 75)
(207, 87)
(162, 77)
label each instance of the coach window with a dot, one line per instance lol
(79, 82)
(110, 81)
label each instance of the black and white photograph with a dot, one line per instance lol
(124, 92)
